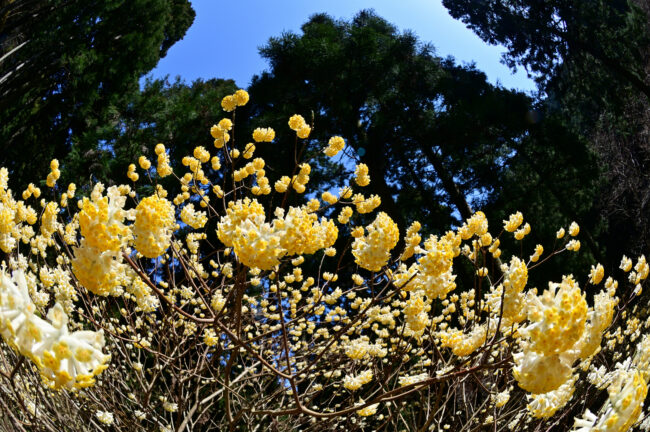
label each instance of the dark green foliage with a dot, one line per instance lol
(176, 114)
(67, 64)
(589, 42)
(591, 62)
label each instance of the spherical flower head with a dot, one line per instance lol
(353, 383)
(144, 163)
(596, 274)
(153, 227)
(50, 181)
(537, 373)
(302, 233)
(557, 318)
(573, 245)
(334, 146)
(193, 218)
(303, 132)
(513, 222)
(516, 276)
(263, 135)
(372, 251)
(241, 97)
(249, 150)
(296, 121)
(626, 264)
(228, 103)
(225, 124)
(345, 215)
(159, 149)
(101, 221)
(329, 197)
(281, 186)
(345, 193)
(522, 232)
(257, 244)
(98, 271)
(476, 225)
(574, 229)
(201, 154)
(236, 213)
(539, 250)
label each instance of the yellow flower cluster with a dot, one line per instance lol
(193, 218)
(596, 275)
(260, 244)
(131, 174)
(511, 305)
(353, 383)
(153, 227)
(557, 318)
(627, 393)
(298, 124)
(97, 271)
(303, 233)
(562, 329)
(163, 168)
(366, 205)
(255, 167)
(298, 182)
(97, 261)
(345, 215)
(220, 132)
(230, 102)
(54, 174)
(334, 146)
(263, 135)
(101, 219)
(513, 222)
(463, 343)
(412, 240)
(144, 163)
(33, 190)
(361, 176)
(432, 272)
(372, 251)
(416, 315)
(403, 310)
(64, 358)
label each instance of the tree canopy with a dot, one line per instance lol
(66, 65)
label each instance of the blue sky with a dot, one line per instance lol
(223, 42)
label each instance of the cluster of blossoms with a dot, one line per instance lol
(212, 300)
(230, 102)
(298, 124)
(335, 145)
(261, 244)
(64, 358)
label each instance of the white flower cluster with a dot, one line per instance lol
(65, 359)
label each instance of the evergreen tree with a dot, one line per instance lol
(67, 63)
(591, 62)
